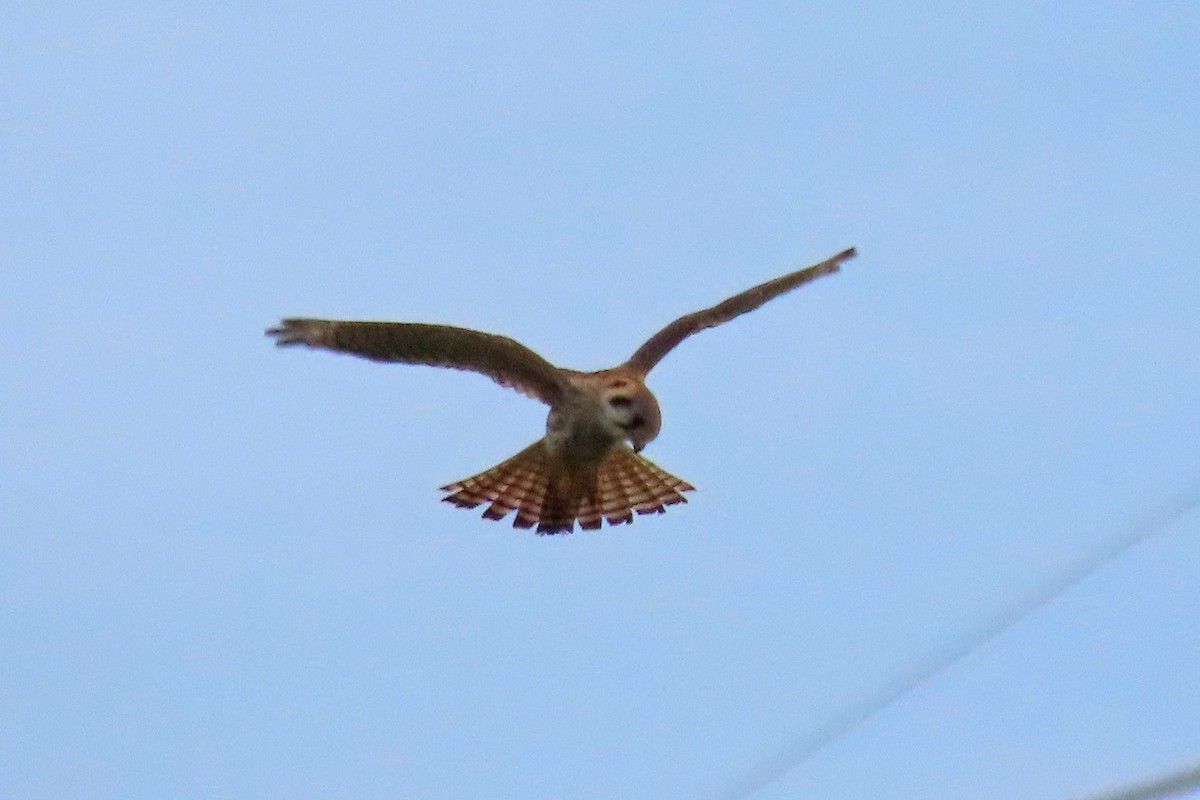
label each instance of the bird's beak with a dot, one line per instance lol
(637, 446)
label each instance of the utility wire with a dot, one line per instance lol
(1173, 784)
(960, 646)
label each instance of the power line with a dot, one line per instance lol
(1166, 786)
(960, 646)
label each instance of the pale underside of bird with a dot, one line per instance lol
(587, 468)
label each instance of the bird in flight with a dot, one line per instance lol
(588, 467)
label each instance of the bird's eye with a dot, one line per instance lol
(633, 423)
(620, 401)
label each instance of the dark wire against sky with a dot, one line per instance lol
(968, 642)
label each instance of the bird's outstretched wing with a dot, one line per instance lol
(506, 361)
(665, 340)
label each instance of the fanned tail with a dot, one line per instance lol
(518, 483)
(625, 484)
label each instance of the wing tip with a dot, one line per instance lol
(290, 331)
(834, 263)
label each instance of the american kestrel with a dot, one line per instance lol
(587, 467)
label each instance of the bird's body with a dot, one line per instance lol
(588, 467)
(590, 472)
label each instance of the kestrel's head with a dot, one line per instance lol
(631, 408)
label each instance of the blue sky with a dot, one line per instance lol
(224, 569)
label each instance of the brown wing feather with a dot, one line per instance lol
(505, 360)
(665, 340)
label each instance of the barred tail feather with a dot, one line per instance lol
(632, 484)
(516, 484)
(624, 484)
